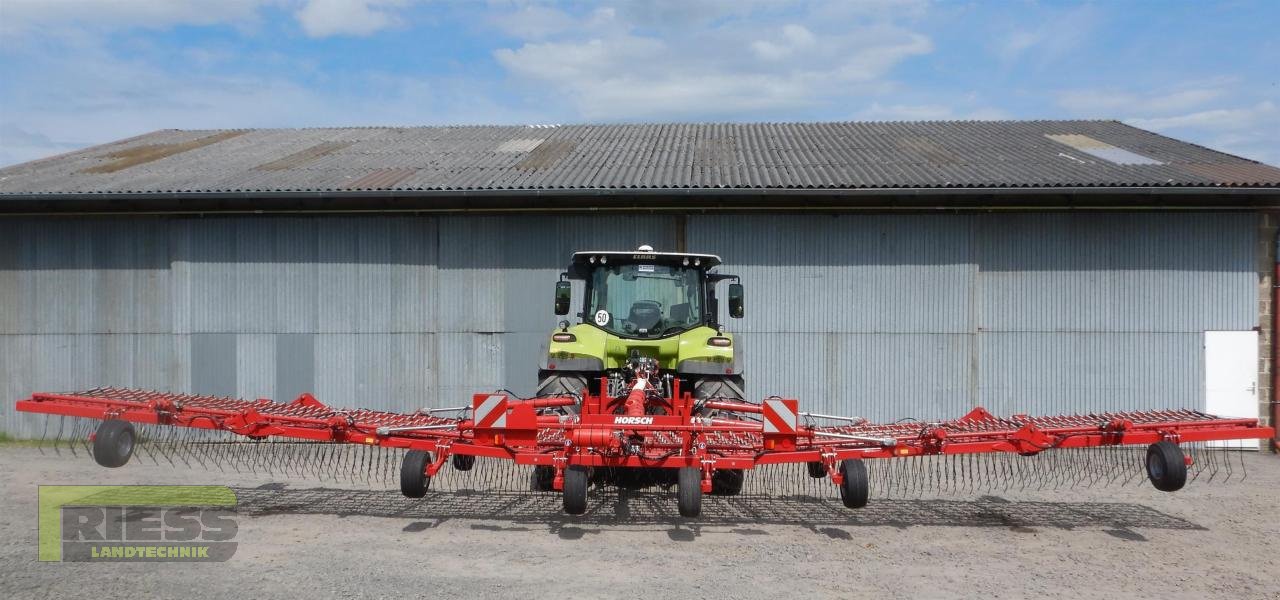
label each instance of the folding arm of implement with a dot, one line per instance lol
(567, 436)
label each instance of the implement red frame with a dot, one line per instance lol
(503, 426)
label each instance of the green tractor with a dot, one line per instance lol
(642, 303)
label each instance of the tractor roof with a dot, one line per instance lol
(706, 261)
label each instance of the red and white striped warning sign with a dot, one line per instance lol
(780, 415)
(489, 411)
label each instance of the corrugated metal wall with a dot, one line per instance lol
(884, 316)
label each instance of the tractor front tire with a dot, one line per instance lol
(562, 383)
(725, 482)
(575, 490)
(413, 473)
(689, 492)
(113, 443)
(1166, 466)
(855, 489)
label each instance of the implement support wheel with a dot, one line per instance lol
(689, 491)
(413, 474)
(463, 462)
(727, 482)
(817, 470)
(575, 490)
(113, 443)
(1166, 466)
(855, 490)
(543, 478)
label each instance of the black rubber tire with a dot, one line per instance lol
(727, 482)
(724, 482)
(689, 492)
(1166, 466)
(113, 443)
(543, 478)
(562, 383)
(463, 462)
(413, 474)
(855, 490)
(713, 386)
(575, 490)
(817, 470)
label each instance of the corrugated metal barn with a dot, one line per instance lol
(892, 269)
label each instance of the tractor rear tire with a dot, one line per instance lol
(113, 443)
(1166, 466)
(463, 462)
(414, 480)
(556, 383)
(725, 482)
(817, 470)
(575, 490)
(689, 492)
(543, 478)
(855, 489)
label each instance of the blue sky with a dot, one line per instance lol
(80, 72)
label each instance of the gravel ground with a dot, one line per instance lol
(300, 539)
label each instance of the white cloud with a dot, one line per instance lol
(89, 95)
(1060, 33)
(1110, 101)
(323, 18)
(1250, 131)
(318, 18)
(610, 67)
(927, 112)
(29, 15)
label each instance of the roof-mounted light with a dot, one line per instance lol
(592, 259)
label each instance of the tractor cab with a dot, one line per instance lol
(645, 294)
(642, 303)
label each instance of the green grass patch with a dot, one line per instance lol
(9, 440)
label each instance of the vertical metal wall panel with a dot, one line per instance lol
(847, 273)
(1118, 272)
(877, 376)
(384, 371)
(468, 363)
(295, 364)
(256, 366)
(17, 276)
(1059, 372)
(214, 364)
(377, 274)
(82, 276)
(470, 291)
(295, 272)
(65, 362)
(884, 316)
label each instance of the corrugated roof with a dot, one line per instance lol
(814, 156)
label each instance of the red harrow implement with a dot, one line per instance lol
(650, 427)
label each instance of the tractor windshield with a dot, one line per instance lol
(645, 301)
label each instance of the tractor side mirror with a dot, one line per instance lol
(736, 309)
(564, 291)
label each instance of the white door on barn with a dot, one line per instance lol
(1231, 378)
